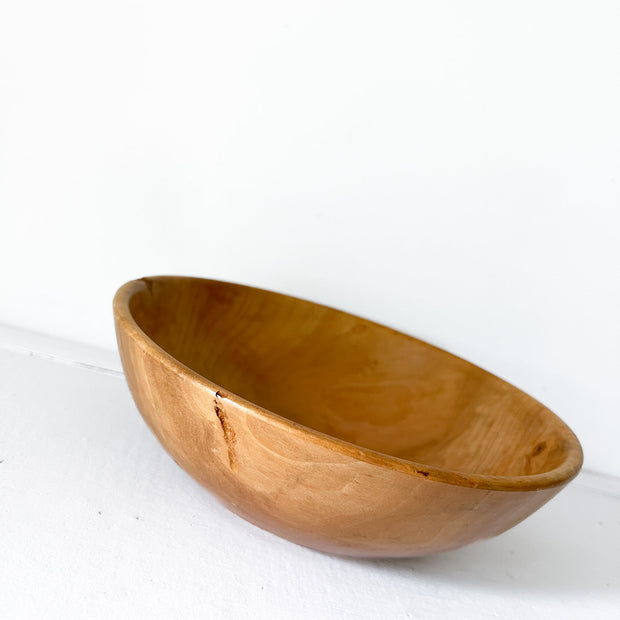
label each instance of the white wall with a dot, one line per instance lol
(447, 168)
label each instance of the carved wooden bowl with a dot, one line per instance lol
(330, 430)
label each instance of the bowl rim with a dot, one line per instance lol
(558, 476)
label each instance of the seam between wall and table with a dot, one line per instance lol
(71, 362)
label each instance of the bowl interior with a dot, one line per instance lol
(350, 378)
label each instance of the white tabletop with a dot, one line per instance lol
(96, 521)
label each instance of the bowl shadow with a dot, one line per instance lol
(569, 545)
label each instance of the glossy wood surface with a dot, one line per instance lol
(332, 431)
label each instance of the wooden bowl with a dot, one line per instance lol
(332, 431)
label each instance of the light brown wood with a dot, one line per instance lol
(332, 431)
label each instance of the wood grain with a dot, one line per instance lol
(330, 430)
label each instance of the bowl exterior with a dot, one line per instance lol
(297, 483)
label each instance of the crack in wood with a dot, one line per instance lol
(230, 436)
